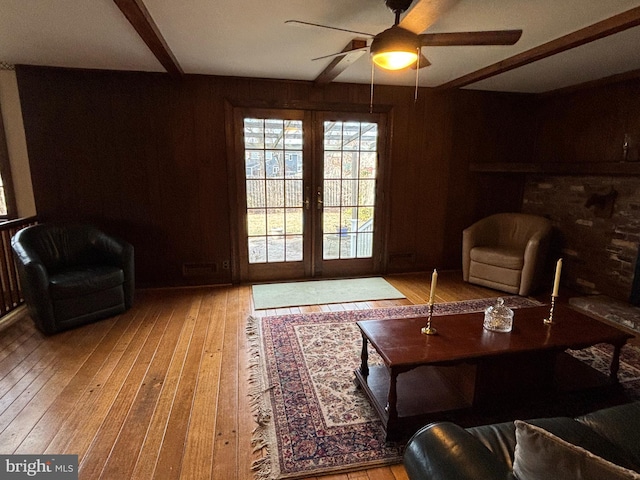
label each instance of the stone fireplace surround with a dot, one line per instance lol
(597, 225)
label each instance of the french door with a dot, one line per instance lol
(309, 202)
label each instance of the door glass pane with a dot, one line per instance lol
(332, 164)
(274, 168)
(275, 249)
(368, 162)
(257, 249)
(293, 164)
(293, 218)
(350, 161)
(369, 137)
(351, 136)
(294, 248)
(273, 133)
(275, 221)
(366, 192)
(293, 192)
(275, 193)
(257, 222)
(332, 193)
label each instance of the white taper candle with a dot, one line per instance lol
(434, 282)
(556, 280)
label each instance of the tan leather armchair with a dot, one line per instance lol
(506, 251)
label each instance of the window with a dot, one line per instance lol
(3, 200)
(7, 200)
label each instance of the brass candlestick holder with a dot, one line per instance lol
(428, 329)
(549, 320)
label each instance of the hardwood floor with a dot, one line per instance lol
(160, 391)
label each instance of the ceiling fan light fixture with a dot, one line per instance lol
(395, 60)
(395, 48)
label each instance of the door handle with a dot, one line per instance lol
(319, 201)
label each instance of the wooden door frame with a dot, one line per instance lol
(231, 136)
(265, 271)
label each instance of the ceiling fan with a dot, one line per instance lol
(398, 47)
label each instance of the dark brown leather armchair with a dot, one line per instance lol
(570, 448)
(72, 274)
(506, 251)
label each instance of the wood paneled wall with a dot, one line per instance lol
(145, 156)
(488, 127)
(589, 125)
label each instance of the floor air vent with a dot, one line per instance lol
(199, 269)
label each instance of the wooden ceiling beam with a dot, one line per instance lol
(140, 18)
(341, 62)
(610, 26)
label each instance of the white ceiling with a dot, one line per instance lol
(249, 38)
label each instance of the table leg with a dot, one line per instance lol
(392, 399)
(615, 362)
(364, 357)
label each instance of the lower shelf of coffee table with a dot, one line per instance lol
(421, 392)
(426, 394)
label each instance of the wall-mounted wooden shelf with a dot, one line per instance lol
(577, 168)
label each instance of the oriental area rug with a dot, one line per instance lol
(311, 418)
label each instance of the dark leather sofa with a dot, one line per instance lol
(601, 445)
(72, 274)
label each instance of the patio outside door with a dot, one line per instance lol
(307, 196)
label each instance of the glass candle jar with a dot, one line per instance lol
(498, 318)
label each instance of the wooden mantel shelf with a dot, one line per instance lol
(576, 168)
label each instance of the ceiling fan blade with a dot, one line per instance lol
(491, 37)
(341, 61)
(424, 13)
(424, 62)
(339, 54)
(310, 24)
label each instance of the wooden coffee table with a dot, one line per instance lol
(465, 368)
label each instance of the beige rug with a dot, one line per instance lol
(320, 292)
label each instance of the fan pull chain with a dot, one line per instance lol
(371, 98)
(415, 98)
